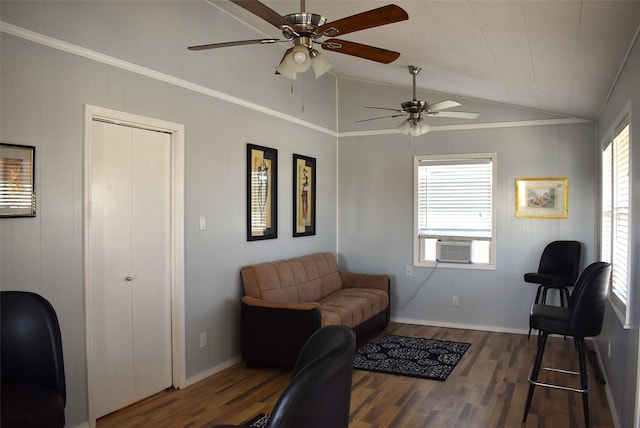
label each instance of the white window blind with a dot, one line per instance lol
(616, 197)
(455, 198)
(607, 203)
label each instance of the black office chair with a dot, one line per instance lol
(33, 390)
(319, 394)
(558, 269)
(582, 318)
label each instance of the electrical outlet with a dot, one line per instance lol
(408, 270)
(455, 300)
(203, 339)
(203, 223)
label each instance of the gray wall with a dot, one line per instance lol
(622, 366)
(376, 208)
(45, 88)
(44, 91)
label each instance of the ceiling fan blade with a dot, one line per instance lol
(362, 51)
(456, 114)
(442, 105)
(236, 43)
(262, 11)
(386, 108)
(380, 117)
(361, 21)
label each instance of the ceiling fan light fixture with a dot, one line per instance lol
(299, 58)
(296, 61)
(319, 63)
(285, 69)
(414, 127)
(405, 126)
(422, 126)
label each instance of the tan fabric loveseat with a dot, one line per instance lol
(285, 301)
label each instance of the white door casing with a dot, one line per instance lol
(160, 335)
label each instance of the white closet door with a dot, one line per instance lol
(130, 258)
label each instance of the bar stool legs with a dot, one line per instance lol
(584, 380)
(537, 366)
(533, 375)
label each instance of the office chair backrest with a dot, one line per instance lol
(325, 341)
(587, 303)
(31, 345)
(319, 394)
(561, 258)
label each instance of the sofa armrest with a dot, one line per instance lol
(273, 336)
(252, 301)
(365, 280)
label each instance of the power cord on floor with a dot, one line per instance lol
(415, 294)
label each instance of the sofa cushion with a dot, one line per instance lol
(299, 280)
(352, 306)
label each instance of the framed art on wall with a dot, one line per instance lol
(17, 186)
(262, 193)
(541, 197)
(304, 195)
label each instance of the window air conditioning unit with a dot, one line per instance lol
(450, 251)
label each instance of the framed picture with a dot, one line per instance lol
(17, 190)
(304, 195)
(541, 197)
(262, 193)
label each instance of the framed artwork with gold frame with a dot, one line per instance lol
(542, 197)
(304, 195)
(17, 185)
(262, 193)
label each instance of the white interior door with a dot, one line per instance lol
(130, 256)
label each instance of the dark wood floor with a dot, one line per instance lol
(487, 389)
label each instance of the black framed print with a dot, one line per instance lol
(304, 195)
(17, 185)
(262, 193)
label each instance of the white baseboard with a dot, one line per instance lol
(461, 326)
(614, 414)
(213, 370)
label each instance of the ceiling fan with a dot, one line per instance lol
(304, 29)
(415, 124)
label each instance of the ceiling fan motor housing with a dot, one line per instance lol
(304, 24)
(414, 106)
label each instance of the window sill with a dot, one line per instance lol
(621, 314)
(463, 266)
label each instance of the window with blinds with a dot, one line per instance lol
(615, 228)
(454, 202)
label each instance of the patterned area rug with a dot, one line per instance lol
(410, 356)
(259, 421)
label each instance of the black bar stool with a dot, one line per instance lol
(558, 269)
(582, 318)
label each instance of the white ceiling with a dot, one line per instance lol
(559, 56)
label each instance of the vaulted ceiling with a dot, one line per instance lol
(558, 56)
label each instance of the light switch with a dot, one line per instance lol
(203, 223)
